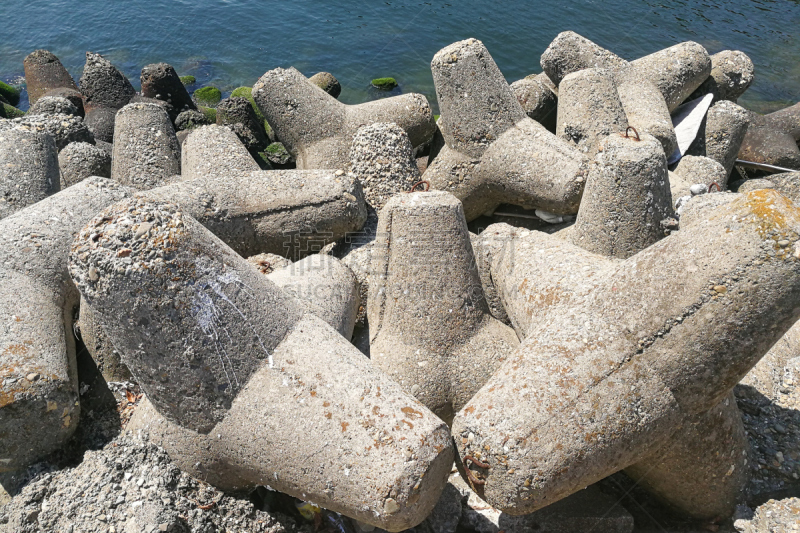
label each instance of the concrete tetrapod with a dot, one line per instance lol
(493, 152)
(227, 375)
(146, 152)
(39, 403)
(430, 326)
(538, 98)
(28, 169)
(214, 152)
(598, 385)
(722, 134)
(43, 73)
(318, 130)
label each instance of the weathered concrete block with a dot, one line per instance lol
(28, 168)
(237, 113)
(694, 169)
(732, 72)
(494, 153)
(70, 94)
(590, 109)
(722, 134)
(100, 121)
(740, 280)
(102, 85)
(215, 152)
(645, 108)
(382, 159)
(430, 327)
(292, 213)
(786, 120)
(160, 81)
(249, 370)
(763, 144)
(79, 161)
(44, 72)
(146, 152)
(627, 197)
(53, 105)
(39, 403)
(64, 129)
(677, 71)
(327, 82)
(537, 96)
(570, 52)
(318, 130)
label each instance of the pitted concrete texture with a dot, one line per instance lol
(590, 109)
(787, 183)
(214, 152)
(39, 402)
(570, 52)
(318, 130)
(722, 133)
(645, 108)
(327, 82)
(677, 71)
(237, 113)
(430, 326)
(28, 169)
(268, 263)
(536, 94)
(764, 144)
(79, 161)
(64, 129)
(732, 72)
(160, 81)
(44, 72)
(703, 469)
(102, 85)
(249, 371)
(292, 213)
(627, 198)
(786, 120)
(146, 152)
(694, 169)
(648, 347)
(53, 105)
(70, 94)
(325, 287)
(382, 159)
(493, 152)
(100, 121)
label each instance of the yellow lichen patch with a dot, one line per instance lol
(774, 212)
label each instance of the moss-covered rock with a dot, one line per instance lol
(188, 80)
(11, 94)
(208, 96)
(9, 111)
(327, 82)
(247, 92)
(190, 119)
(384, 84)
(209, 112)
(277, 154)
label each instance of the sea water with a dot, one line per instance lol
(229, 43)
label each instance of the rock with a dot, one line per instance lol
(207, 96)
(28, 169)
(439, 342)
(247, 92)
(44, 72)
(488, 158)
(38, 300)
(627, 197)
(250, 373)
(79, 161)
(732, 72)
(9, 94)
(318, 130)
(383, 84)
(589, 110)
(190, 119)
(278, 156)
(692, 170)
(102, 85)
(774, 515)
(64, 129)
(291, 213)
(538, 100)
(786, 120)
(146, 152)
(53, 105)
(238, 115)
(325, 287)
(100, 121)
(160, 81)
(660, 377)
(383, 161)
(722, 134)
(787, 183)
(570, 52)
(72, 95)
(9, 111)
(214, 152)
(327, 82)
(188, 80)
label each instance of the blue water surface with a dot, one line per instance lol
(228, 43)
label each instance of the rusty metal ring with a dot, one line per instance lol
(714, 184)
(426, 183)
(634, 131)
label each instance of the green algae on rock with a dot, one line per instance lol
(208, 96)
(9, 93)
(188, 80)
(209, 112)
(384, 84)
